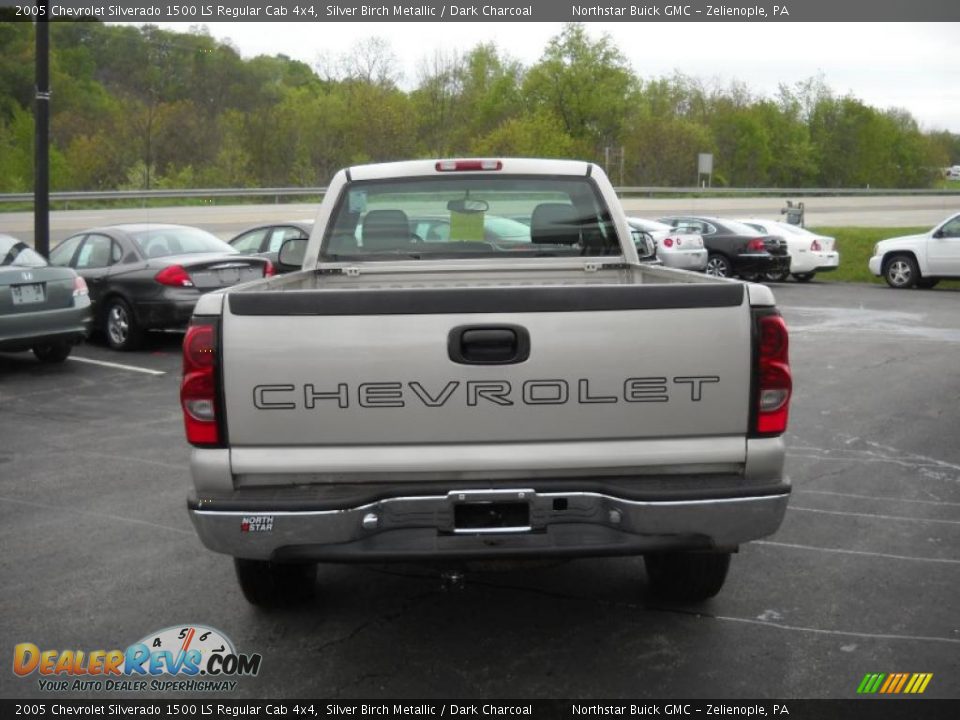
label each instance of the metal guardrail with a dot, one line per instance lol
(69, 196)
(277, 193)
(792, 192)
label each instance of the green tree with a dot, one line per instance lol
(587, 84)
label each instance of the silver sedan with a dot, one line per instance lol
(676, 248)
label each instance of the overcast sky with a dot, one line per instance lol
(910, 65)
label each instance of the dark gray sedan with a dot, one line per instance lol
(149, 277)
(265, 240)
(42, 308)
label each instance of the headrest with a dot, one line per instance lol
(554, 224)
(385, 229)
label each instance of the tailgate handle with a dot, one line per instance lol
(488, 344)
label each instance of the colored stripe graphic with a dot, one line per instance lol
(870, 683)
(894, 683)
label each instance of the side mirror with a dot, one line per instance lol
(291, 254)
(938, 233)
(646, 247)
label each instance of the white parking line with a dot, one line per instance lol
(878, 517)
(946, 561)
(100, 516)
(118, 366)
(846, 633)
(874, 497)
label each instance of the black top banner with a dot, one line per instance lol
(499, 10)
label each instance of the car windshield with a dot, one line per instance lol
(648, 225)
(18, 254)
(740, 228)
(793, 229)
(470, 216)
(164, 241)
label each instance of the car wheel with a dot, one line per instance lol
(718, 266)
(689, 576)
(803, 277)
(777, 276)
(927, 283)
(123, 332)
(901, 272)
(54, 352)
(268, 585)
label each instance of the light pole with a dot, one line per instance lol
(41, 149)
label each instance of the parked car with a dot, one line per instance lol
(735, 248)
(42, 308)
(919, 260)
(810, 253)
(265, 240)
(149, 277)
(498, 230)
(675, 247)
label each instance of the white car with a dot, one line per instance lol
(810, 253)
(675, 248)
(919, 260)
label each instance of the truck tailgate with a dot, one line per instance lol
(618, 373)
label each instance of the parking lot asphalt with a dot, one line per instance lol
(863, 576)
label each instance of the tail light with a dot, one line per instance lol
(79, 286)
(756, 244)
(198, 388)
(815, 246)
(269, 270)
(174, 276)
(668, 242)
(774, 382)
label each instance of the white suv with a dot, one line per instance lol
(919, 260)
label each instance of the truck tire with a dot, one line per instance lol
(804, 277)
(268, 585)
(689, 576)
(52, 352)
(901, 272)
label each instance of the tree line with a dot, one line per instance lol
(144, 107)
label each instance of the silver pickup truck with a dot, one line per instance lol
(471, 363)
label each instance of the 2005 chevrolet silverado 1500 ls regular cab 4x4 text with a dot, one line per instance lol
(473, 364)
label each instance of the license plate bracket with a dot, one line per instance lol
(488, 516)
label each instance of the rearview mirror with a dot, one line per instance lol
(466, 205)
(291, 254)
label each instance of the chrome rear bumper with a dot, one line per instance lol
(421, 527)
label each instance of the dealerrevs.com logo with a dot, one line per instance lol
(184, 658)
